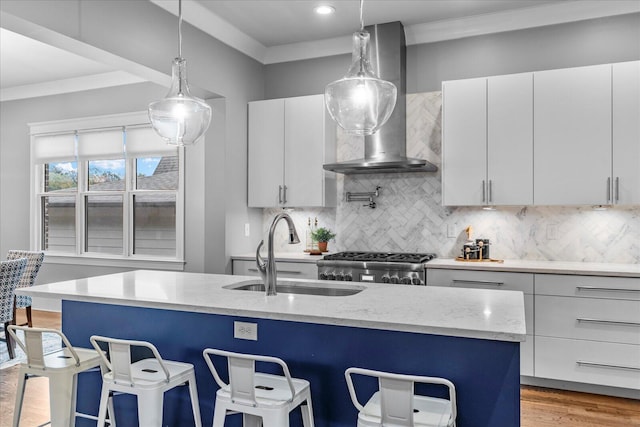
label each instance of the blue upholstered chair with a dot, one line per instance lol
(10, 274)
(34, 262)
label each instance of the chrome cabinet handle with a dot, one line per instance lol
(279, 193)
(607, 322)
(606, 365)
(617, 189)
(609, 189)
(478, 282)
(484, 191)
(596, 288)
(285, 194)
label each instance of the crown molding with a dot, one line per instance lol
(538, 16)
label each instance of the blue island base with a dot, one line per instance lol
(486, 373)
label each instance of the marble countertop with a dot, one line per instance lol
(549, 267)
(471, 313)
(523, 266)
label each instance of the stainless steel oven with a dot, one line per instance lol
(376, 267)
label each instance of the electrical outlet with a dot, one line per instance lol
(451, 231)
(245, 331)
(552, 232)
(247, 230)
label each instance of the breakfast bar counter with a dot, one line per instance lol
(469, 336)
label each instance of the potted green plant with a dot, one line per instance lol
(322, 236)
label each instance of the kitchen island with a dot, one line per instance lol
(469, 336)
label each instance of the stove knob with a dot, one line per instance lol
(385, 278)
(348, 277)
(340, 276)
(331, 276)
(406, 280)
(416, 281)
(395, 279)
(323, 276)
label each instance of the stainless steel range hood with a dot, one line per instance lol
(385, 151)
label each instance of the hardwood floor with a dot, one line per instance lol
(540, 407)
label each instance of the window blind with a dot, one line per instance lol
(143, 141)
(98, 145)
(54, 148)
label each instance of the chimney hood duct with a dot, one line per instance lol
(385, 151)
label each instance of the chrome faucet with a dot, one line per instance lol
(268, 270)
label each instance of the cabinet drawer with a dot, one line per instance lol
(588, 318)
(588, 286)
(292, 270)
(481, 279)
(610, 364)
(526, 356)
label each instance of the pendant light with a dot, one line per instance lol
(360, 102)
(180, 118)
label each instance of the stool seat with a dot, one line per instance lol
(427, 412)
(262, 398)
(61, 367)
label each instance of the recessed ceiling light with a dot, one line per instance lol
(324, 10)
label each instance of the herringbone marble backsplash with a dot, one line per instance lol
(409, 216)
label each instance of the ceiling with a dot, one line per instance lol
(274, 31)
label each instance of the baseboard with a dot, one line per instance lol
(581, 387)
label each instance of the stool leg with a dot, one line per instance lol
(22, 379)
(104, 401)
(112, 414)
(62, 399)
(150, 407)
(219, 413)
(195, 405)
(307, 413)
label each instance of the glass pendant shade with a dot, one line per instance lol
(180, 118)
(360, 102)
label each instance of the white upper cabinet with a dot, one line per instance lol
(289, 141)
(266, 152)
(487, 144)
(626, 133)
(572, 128)
(510, 139)
(464, 142)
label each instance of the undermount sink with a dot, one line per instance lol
(303, 288)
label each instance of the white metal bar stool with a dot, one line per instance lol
(263, 399)
(396, 405)
(148, 379)
(62, 367)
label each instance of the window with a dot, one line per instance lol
(112, 191)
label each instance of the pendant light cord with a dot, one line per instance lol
(361, 20)
(180, 29)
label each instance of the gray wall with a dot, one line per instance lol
(142, 33)
(596, 41)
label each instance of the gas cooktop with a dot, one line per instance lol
(380, 257)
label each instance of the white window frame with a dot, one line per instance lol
(127, 258)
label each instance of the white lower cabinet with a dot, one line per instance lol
(591, 362)
(285, 269)
(587, 329)
(500, 281)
